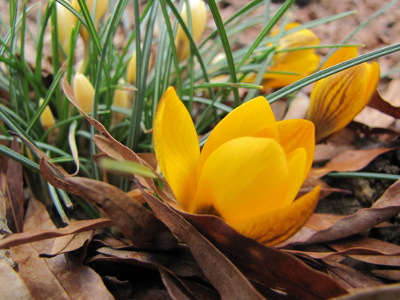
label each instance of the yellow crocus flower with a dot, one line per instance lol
(46, 118)
(299, 62)
(198, 14)
(337, 99)
(84, 93)
(97, 9)
(248, 172)
(120, 99)
(65, 23)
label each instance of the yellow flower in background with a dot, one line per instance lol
(97, 9)
(131, 69)
(300, 63)
(198, 14)
(66, 21)
(120, 99)
(83, 92)
(337, 99)
(248, 172)
(46, 118)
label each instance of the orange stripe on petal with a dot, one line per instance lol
(176, 146)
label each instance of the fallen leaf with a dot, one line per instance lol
(15, 194)
(266, 266)
(11, 284)
(387, 292)
(384, 208)
(352, 160)
(349, 277)
(226, 278)
(135, 221)
(382, 105)
(57, 277)
(69, 243)
(177, 261)
(38, 234)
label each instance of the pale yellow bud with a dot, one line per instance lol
(131, 69)
(46, 118)
(65, 23)
(97, 9)
(198, 13)
(84, 93)
(120, 99)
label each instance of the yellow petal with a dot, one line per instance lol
(300, 62)
(176, 146)
(246, 120)
(65, 23)
(46, 118)
(131, 69)
(120, 99)
(242, 177)
(297, 163)
(298, 133)
(83, 92)
(337, 99)
(274, 226)
(339, 56)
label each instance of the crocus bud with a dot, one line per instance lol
(131, 69)
(120, 99)
(337, 99)
(65, 23)
(46, 118)
(198, 13)
(84, 93)
(97, 9)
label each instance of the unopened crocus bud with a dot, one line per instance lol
(131, 69)
(97, 9)
(46, 118)
(84, 93)
(335, 100)
(120, 99)
(66, 21)
(198, 14)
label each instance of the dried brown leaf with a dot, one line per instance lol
(69, 243)
(14, 192)
(226, 278)
(384, 208)
(43, 234)
(387, 292)
(264, 265)
(349, 277)
(58, 277)
(175, 287)
(136, 222)
(352, 160)
(382, 105)
(11, 284)
(178, 262)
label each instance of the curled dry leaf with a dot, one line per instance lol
(266, 266)
(136, 222)
(47, 278)
(384, 208)
(38, 234)
(352, 160)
